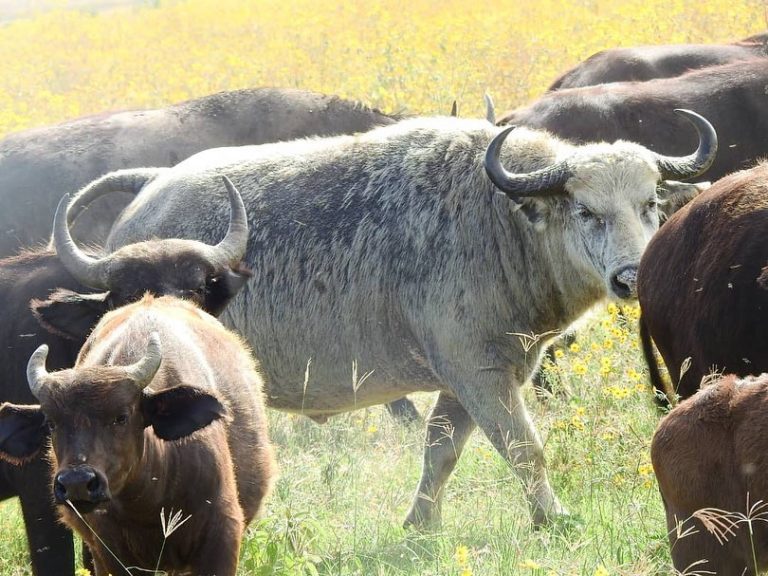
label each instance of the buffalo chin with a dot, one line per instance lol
(82, 506)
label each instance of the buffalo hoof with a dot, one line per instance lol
(562, 523)
(423, 519)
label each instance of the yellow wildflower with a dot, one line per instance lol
(575, 348)
(579, 368)
(645, 469)
(530, 564)
(461, 555)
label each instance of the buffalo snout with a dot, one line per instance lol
(624, 282)
(84, 486)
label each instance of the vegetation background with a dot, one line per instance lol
(345, 486)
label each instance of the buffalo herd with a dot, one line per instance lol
(168, 274)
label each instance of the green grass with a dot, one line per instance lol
(345, 487)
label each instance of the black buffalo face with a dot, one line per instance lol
(209, 276)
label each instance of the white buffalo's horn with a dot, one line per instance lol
(548, 181)
(684, 167)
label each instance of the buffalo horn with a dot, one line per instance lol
(548, 181)
(36, 372)
(87, 270)
(490, 109)
(232, 248)
(684, 167)
(144, 370)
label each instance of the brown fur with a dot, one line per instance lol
(699, 283)
(711, 452)
(219, 475)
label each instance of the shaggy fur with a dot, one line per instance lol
(393, 250)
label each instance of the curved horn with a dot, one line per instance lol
(684, 167)
(548, 181)
(232, 248)
(144, 370)
(86, 269)
(37, 375)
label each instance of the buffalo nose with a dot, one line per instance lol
(80, 484)
(624, 282)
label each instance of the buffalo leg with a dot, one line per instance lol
(51, 548)
(403, 410)
(699, 551)
(497, 407)
(219, 555)
(448, 428)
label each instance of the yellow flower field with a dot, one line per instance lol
(414, 56)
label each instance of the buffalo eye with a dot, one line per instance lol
(120, 420)
(587, 215)
(51, 425)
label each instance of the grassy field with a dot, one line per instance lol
(345, 486)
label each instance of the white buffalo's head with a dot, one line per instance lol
(604, 199)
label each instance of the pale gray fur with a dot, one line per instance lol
(392, 249)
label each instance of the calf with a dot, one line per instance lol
(151, 373)
(711, 494)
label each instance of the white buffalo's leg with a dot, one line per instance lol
(498, 409)
(448, 428)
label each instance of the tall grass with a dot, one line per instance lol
(345, 486)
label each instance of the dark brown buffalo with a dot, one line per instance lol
(204, 274)
(732, 97)
(151, 373)
(710, 455)
(38, 166)
(703, 284)
(642, 63)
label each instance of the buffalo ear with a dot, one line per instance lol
(22, 432)
(674, 195)
(69, 314)
(179, 411)
(222, 288)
